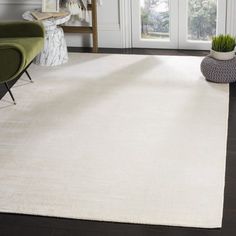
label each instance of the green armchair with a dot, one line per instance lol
(20, 43)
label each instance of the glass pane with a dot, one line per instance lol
(202, 17)
(155, 19)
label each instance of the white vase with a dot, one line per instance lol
(223, 56)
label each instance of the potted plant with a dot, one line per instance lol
(223, 47)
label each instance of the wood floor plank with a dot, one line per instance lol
(24, 231)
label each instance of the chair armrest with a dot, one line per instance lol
(12, 61)
(21, 29)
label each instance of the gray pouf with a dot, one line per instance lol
(219, 71)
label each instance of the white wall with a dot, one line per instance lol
(109, 28)
(114, 21)
(231, 17)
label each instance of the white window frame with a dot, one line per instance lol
(138, 42)
(178, 27)
(184, 43)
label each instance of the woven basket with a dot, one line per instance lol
(219, 71)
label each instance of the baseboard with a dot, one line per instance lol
(145, 51)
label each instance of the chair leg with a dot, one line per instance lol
(8, 89)
(29, 76)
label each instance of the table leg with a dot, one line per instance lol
(55, 49)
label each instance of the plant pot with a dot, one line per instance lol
(223, 56)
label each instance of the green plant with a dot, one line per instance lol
(223, 43)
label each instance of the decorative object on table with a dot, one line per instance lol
(46, 15)
(20, 42)
(223, 47)
(219, 71)
(73, 7)
(78, 8)
(55, 49)
(50, 6)
(71, 27)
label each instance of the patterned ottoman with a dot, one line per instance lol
(219, 71)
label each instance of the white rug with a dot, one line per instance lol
(124, 138)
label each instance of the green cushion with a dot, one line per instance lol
(16, 29)
(10, 62)
(20, 43)
(31, 46)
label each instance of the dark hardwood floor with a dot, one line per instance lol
(142, 51)
(24, 225)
